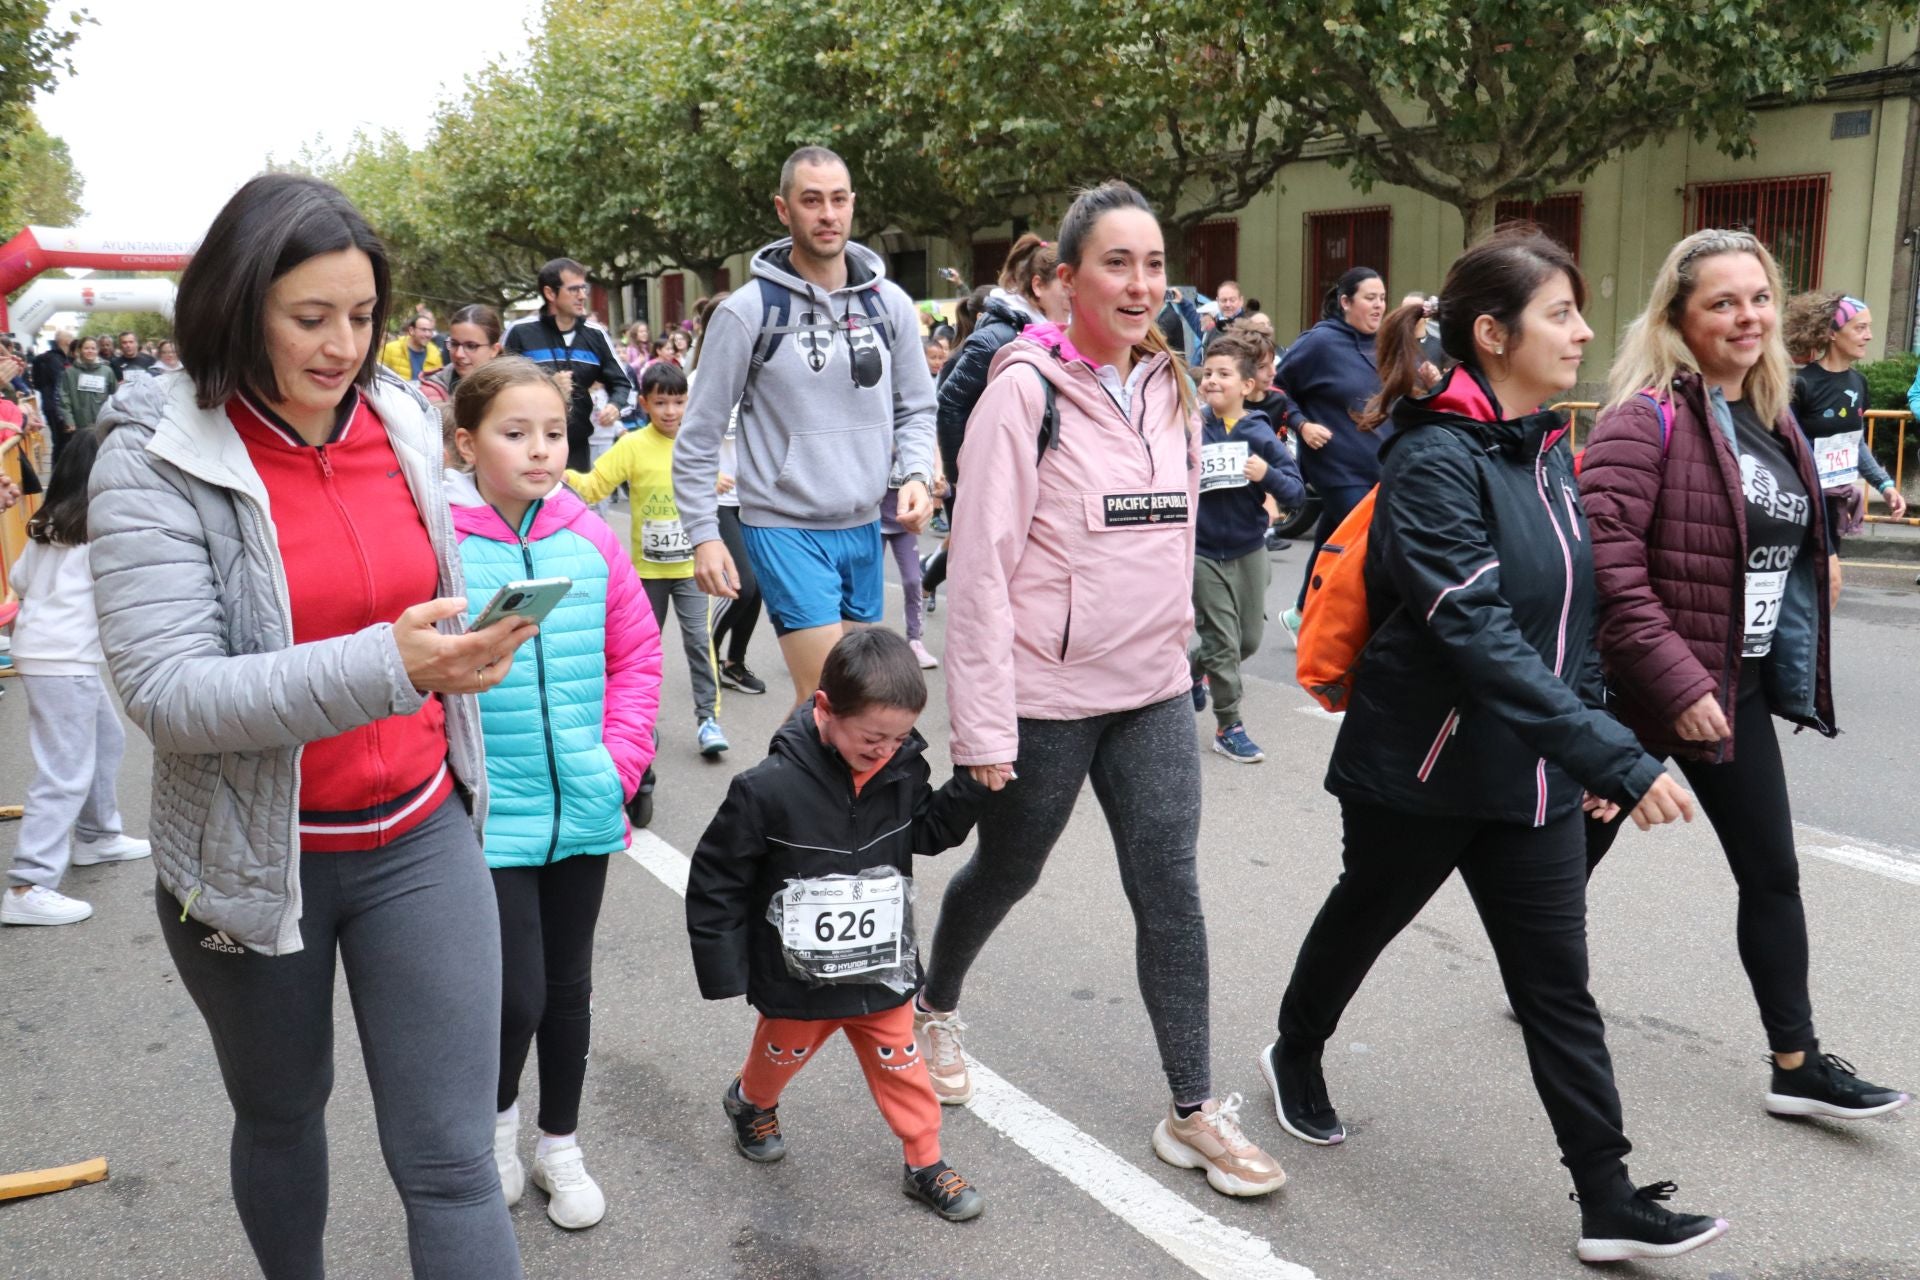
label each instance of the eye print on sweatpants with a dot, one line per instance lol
(892, 1059)
(785, 1057)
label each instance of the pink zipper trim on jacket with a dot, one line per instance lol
(1469, 581)
(1566, 608)
(1439, 744)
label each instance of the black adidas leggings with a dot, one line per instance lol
(547, 919)
(734, 620)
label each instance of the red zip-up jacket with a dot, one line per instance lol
(356, 553)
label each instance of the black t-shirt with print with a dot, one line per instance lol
(1827, 403)
(1778, 519)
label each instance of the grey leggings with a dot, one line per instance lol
(415, 926)
(1146, 776)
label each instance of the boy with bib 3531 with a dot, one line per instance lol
(801, 898)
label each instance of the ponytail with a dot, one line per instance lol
(1398, 355)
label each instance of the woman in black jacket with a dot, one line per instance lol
(1474, 738)
(1030, 292)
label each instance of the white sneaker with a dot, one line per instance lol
(576, 1201)
(121, 848)
(939, 1036)
(41, 906)
(506, 1156)
(920, 651)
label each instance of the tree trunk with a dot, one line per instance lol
(708, 273)
(1175, 236)
(1478, 215)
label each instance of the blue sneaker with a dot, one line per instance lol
(1233, 743)
(713, 740)
(1200, 694)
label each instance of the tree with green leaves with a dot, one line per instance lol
(1475, 101)
(38, 183)
(36, 173)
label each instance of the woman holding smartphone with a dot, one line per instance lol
(280, 600)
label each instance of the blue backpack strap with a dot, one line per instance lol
(876, 309)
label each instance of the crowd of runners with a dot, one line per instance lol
(404, 683)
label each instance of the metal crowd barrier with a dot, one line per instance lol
(1574, 408)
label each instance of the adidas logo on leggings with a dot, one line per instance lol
(218, 941)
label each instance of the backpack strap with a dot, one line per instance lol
(1049, 434)
(876, 309)
(776, 306)
(1664, 407)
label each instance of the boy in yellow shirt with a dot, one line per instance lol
(662, 555)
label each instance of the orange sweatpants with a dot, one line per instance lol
(889, 1058)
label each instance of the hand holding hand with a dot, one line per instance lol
(470, 663)
(1599, 808)
(993, 777)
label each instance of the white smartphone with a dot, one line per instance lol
(532, 599)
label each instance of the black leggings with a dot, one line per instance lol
(547, 916)
(734, 620)
(1529, 885)
(1145, 768)
(1746, 801)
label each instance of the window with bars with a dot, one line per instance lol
(1557, 215)
(1789, 215)
(1338, 240)
(1213, 255)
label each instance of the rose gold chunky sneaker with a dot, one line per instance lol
(939, 1036)
(1210, 1139)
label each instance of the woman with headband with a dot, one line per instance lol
(1830, 331)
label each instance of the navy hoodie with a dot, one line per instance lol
(1232, 521)
(1331, 375)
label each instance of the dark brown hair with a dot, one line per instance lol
(1498, 278)
(61, 520)
(1088, 207)
(482, 317)
(872, 667)
(1030, 256)
(706, 317)
(270, 226)
(1244, 349)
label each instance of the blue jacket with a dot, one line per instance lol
(1330, 374)
(1233, 520)
(569, 732)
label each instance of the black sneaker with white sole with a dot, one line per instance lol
(1826, 1085)
(1622, 1229)
(756, 1130)
(942, 1189)
(734, 675)
(1300, 1096)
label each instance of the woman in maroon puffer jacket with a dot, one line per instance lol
(1711, 551)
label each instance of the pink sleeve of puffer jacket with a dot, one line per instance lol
(633, 663)
(1620, 478)
(990, 528)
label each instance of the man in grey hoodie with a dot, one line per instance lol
(821, 356)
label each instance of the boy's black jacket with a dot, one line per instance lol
(795, 814)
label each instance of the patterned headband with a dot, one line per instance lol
(1844, 312)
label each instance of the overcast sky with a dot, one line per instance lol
(174, 103)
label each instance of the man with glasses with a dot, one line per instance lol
(579, 352)
(414, 354)
(821, 356)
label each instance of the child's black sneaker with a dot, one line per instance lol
(943, 1190)
(755, 1131)
(1300, 1096)
(1623, 1228)
(1826, 1085)
(735, 675)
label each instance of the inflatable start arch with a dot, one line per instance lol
(39, 249)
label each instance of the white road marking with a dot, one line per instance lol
(1203, 1243)
(1314, 711)
(1863, 855)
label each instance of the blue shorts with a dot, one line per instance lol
(818, 577)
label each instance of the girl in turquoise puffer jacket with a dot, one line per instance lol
(569, 733)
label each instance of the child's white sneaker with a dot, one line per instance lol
(41, 906)
(120, 848)
(506, 1155)
(575, 1199)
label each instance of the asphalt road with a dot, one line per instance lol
(1450, 1170)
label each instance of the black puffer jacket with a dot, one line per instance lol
(965, 377)
(1478, 695)
(793, 815)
